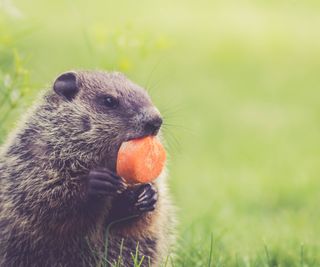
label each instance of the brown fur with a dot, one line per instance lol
(45, 216)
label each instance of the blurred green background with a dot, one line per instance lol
(238, 83)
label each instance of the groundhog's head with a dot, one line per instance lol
(94, 112)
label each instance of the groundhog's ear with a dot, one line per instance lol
(66, 85)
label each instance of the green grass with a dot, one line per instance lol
(238, 84)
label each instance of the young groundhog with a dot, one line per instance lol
(61, 202)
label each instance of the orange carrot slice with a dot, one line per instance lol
(141, 160)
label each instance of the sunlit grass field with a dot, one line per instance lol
(238, 84)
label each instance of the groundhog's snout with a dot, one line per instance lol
(152, 126)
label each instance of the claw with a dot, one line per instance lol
(142, 196)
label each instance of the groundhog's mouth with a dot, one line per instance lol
(138, 136)
(132, 137)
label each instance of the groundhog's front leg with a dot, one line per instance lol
(127, 202)
(103, 182)
(134, 201)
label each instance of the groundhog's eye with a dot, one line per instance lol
(110, 101)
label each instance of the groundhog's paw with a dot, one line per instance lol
(103, 182)
(135, 200)
(147, 198)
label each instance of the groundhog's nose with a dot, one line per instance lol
(153, 125)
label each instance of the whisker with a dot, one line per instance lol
(172, 106)
(182, 127)
(156, 65)
(172, 116)
(173, 142)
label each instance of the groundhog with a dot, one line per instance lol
(61, 201)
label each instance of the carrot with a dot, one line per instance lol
(141, 160)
